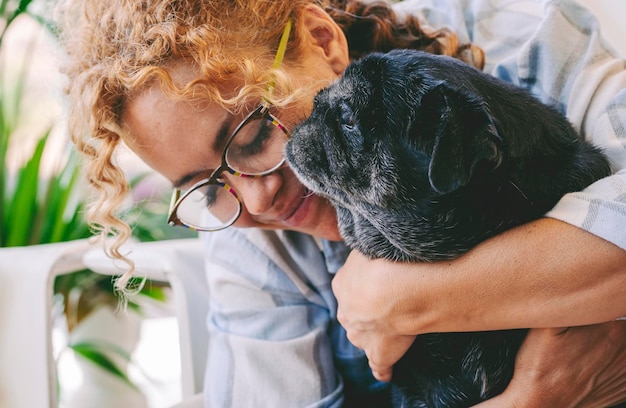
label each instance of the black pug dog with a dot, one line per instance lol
(424, 157)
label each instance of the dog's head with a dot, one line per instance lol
(433, 156)
(392, 114)
(394, 133)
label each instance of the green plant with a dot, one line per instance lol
(79, 294)
(40, 205)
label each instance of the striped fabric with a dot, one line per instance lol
(275, 341)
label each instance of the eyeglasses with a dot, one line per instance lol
(254, 149)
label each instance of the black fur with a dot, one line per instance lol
(424, 157)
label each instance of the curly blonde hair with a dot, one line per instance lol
(116, 48)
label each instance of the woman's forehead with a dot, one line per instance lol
(173, 136)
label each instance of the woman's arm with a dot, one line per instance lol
(543, 274)
(547, 273)
(595, 357)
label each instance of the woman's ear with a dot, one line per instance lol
(326, 37)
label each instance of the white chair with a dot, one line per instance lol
(181, 263)
(27, 370)
(27, 367)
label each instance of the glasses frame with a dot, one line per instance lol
(261, 112)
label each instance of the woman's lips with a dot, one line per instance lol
(298, 212)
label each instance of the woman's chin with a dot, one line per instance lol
(315, 216)
(322, 222)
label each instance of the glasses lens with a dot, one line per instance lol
(209, 207)
(257, 148)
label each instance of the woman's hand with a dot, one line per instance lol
(576, 367)
(369, 312)
(534, 275)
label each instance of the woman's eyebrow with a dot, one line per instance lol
(222, 134)
(220, 140)
(187, 178)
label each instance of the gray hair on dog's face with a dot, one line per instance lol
(367, 147)
(334, 152)
(345, 150)
(434, 156)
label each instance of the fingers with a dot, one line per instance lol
(383, 352)
(581, 366)
(367, 309)
(381, 373)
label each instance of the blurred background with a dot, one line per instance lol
(102, 356)
(98, 350)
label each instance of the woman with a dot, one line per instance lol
(175, 81)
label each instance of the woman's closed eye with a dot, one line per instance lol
(251, 139)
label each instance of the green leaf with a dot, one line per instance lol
(95, 352)
(78, 227)
(22, 6)
(10, 103)
(58, 202)
(4, 147)
(155, 293)
(24, 205)
(3, 6)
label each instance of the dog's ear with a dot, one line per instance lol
(464, 136)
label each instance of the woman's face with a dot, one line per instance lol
(184, 141)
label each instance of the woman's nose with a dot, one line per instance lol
(257, 193)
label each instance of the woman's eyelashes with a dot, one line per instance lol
(251, 140)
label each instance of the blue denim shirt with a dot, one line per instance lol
(275, 340)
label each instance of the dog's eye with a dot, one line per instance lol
(347, 117)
